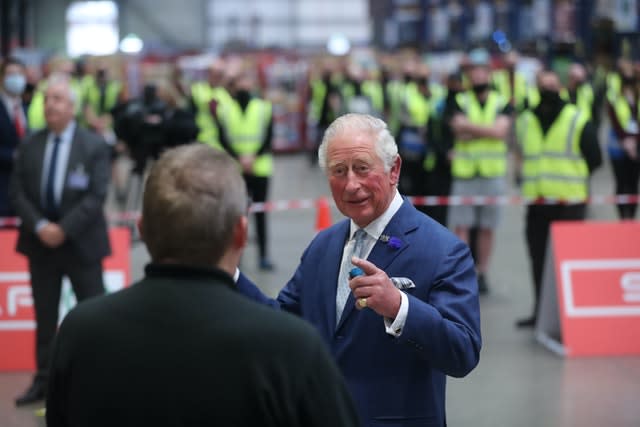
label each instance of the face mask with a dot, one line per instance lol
(549, 98)
(480, 88)
(243, 96)
(15, 83)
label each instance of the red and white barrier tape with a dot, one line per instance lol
(287, 205)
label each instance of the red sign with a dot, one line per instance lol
(597, 268)
(17, 324)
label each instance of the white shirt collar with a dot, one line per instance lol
(67, 134)
(377, 226)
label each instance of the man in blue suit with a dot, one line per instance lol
(412, 318)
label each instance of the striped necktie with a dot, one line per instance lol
(343, 290)
(51, 206)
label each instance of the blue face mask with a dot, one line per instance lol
(15, 83)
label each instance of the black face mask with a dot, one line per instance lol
(326, 77)
(385, 76)
(408, 78)
(243, 96)
(549, 99)
(628, 81)
(479, 88)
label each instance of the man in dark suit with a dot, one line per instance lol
(182, 347)
(410, 316)
(13, 123)
(58, 189)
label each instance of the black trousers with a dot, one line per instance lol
(438, 183)
(627, 175)
(257, 187)
(538, 224)
(47, 270)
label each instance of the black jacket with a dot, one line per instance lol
(183, 348)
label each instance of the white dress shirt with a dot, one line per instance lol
(374, 231)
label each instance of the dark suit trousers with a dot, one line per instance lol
(47, 270)
(257, 187)
(538, 225)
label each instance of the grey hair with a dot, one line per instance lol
(59, 78)
(385, 144)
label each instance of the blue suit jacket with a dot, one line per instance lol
(394, 381)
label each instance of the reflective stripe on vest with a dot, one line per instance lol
(246, 131)
(485, 157)
(553, 166)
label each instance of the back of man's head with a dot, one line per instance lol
(194, 206)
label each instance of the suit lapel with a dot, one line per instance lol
(330, 287)
(40, 145)
(75, 158)
(383, 253)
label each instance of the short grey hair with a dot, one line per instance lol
(193, 198)
(385, 144)
(59, 78)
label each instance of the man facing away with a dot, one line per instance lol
(182, 347)
(394, 340)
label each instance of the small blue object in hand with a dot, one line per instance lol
(355, 271)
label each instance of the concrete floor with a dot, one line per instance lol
(518, 382)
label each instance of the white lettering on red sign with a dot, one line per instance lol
(630, 283)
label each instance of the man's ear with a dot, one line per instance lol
(241, 233)
(394, 173)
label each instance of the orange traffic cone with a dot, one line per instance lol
(323, 214)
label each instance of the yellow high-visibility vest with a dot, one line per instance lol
(202, 94)
(246, 131)
(502, 83)
(553, 166)
(484, 157)
(92, 96)
(584, 98)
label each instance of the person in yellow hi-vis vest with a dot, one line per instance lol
(323, 107)
(101, 95)
(207, 99)
(559, 149)
(580, 93)
(623, 106)
(510, 83)
(479, 164)
(246, 132)
(413, 144)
